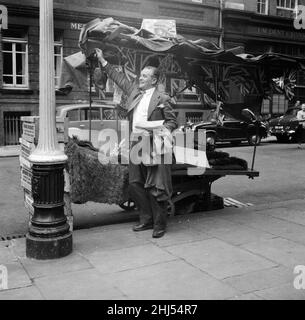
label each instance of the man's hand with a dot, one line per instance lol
(100, 57)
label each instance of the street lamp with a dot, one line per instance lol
(49, 236)
(221, 5)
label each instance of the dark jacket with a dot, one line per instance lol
(160, 106)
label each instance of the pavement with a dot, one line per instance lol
(9, 151)
(247, 253)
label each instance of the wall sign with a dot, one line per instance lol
(76, 26)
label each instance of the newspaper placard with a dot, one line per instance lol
(26, 148)
(28, 131)
(28, 202)
(25, 163)
(26, 178)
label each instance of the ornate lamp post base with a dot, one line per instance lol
(49, 236)
(45, 249)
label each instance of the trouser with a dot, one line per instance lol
(151, 210)
(300, 134)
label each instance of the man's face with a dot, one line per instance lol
(303, 107)
(147, 79)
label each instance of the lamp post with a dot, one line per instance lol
(221, 5)
(49, 236)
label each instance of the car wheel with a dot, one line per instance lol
(211, 141)
(129, 205)
(254, 139)
(235, 143)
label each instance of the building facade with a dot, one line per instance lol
(261, 26)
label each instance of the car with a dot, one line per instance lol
(225, 128)
(284, 128)
(103, 116)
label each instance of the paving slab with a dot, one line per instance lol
(176, 233)
(106, 240)
(174, 280)
(282, 251)
(43, 268)
(272, 225)
(128, 258)
(297, 215)
(6, 255)
(220, 259)
(81, 285)
(247, 296)
(27, 293)
(17, 276)
(233, 233)
(262, 279)
(283, 292)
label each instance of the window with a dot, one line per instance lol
(287, 4)
(85, 114)
(15, 59)
(262, 6)
(280, 104)
(188, 94)
(73, 115)
(301, 79)
(58, 56)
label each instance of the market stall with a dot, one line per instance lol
(235, 79)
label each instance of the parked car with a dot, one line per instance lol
(225, 128)
(103, 116)
(284, 128)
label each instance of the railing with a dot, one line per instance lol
(12, 129)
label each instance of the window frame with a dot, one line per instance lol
(58, 44)
(260, 5)
(14, 52)
(278, 6)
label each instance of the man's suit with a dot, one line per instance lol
(149, 186)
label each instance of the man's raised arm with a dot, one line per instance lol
(119, 78)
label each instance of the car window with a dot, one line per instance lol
(72, 115)
(85, 113)
(109, 114)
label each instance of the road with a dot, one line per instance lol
(281, 167)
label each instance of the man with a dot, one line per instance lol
(150, 186)
(301, 129)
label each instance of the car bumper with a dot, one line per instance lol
(279, 131)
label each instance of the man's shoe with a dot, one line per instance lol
(158, 234)
(142, 227)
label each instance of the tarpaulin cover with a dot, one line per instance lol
(237, 79)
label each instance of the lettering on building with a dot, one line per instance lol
(281, 33)
(76, 26)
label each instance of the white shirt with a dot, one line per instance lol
(140, 112)
(301, 115)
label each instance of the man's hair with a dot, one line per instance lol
(156, 72)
